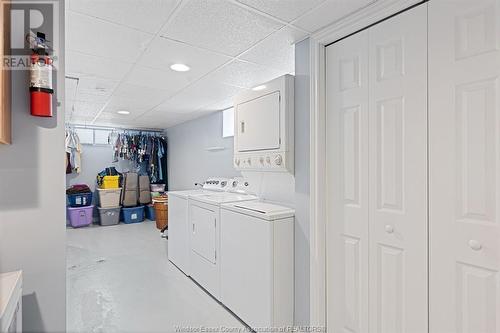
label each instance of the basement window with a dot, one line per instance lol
(85, 135)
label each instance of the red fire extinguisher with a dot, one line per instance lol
(41, 79)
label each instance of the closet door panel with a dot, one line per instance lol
(464, 165)
(347, 156)
(398, 173)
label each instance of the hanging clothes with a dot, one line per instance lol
(74, 149)
(147, 150)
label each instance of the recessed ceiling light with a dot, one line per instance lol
(123, 112)
(262, 87)
(180, 68)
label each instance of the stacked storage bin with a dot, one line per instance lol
(109, 201)
(131, 196)
(80, 208)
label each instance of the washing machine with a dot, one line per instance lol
(178, 226)
(257, 263)
(204, 221)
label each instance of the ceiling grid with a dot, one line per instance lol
(230, 45)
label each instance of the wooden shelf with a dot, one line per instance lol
(5, 84)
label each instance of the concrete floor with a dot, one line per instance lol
(120, 280)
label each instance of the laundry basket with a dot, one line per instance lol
(161, 211)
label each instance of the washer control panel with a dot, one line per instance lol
(216, 184)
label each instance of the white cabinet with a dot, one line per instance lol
(377, 173)
(11, 292)
(264, 127)
(464, 166)
(259, 123)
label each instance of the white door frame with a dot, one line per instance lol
(357, 21)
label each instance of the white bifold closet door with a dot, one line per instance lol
(464, 166)
(377, 178)
(347, 177)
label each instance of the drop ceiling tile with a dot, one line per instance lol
(166, 80)
(82, 97)
(329, 12)
(286, 10)
(221, 105)
(70, 86)
(219, 25)
(145, 15)
(277, 50)
(87, 109)
(161, 119)
(80, 120)
(107, 116)
(134, 104)
(96, 86)
(153, 95)
(112, 120)
(203, 93)
(80, 65)
(94, 36)
(245, 74)
(163, 52)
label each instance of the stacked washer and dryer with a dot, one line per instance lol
(237, 246)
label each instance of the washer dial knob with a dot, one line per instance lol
(278, 160)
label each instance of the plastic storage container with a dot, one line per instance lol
(80, 216)
(109, 198)
(111, 182)
(157, 187)
(80, 199)
(133, 214)
(109, 216)
(150, 212)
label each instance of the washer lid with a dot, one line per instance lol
(263, 210)
(220, 198)
(189, 193)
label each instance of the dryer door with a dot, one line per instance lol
(203, 229)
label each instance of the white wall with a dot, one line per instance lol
(189, 161)
(32, 205)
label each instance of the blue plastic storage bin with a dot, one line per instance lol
(133, 214)
(150, 212)
(80, 199)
